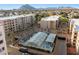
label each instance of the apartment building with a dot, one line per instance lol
(49, 23)
(13, 24)
(74, 30)
(17, 23)
(3, 48)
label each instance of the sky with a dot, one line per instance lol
(16, 6)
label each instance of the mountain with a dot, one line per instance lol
(27, 7)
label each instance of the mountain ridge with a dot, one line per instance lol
(27, 7)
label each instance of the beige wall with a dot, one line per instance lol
(48, 25)
(43, 25)
(72, 35)
(72, 38)
(77, 44)
(2, 37)
(19, 23)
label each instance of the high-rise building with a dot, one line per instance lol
(3, 47)
(74, 30)
(11, 24)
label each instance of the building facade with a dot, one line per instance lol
(74, 31)
(3, 47)
(13, 24)
(49, 23)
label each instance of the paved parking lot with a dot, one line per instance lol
(60, 47)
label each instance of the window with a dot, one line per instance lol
(0, 50)
(0, 34)
(3, 48)
(75, 36)
(1, 41)
(75, 33)
(73, 43)
(74, 40)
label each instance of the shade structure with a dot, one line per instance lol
(51, 38)
(41, 40)
(37, 39)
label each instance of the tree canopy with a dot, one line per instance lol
(63, 19)
(39, 16)
(64, 14)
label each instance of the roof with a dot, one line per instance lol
(14, 17)
(51, 38)
(75, 21)
(50, 18)
(37, 39)
(40, 40)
